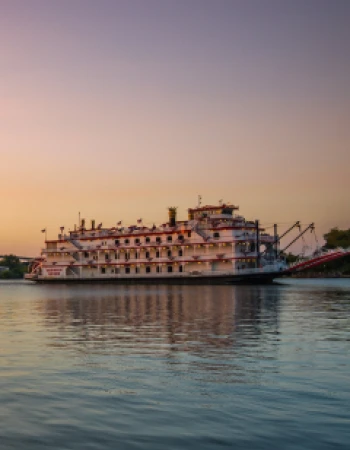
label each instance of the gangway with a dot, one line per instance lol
(314, 261)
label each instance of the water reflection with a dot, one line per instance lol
(174, 367)
(141, 319)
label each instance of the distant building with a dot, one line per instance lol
(3, 269)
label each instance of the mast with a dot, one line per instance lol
(275, 235)
(257, 243)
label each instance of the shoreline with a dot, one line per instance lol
(319, 275)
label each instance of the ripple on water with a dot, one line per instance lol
(91, 367)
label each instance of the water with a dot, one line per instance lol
(170, 367)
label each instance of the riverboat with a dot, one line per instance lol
(214, 245)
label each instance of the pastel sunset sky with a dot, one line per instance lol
(119, 109)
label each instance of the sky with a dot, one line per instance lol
(118, 109)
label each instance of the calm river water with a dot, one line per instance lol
(175, 367)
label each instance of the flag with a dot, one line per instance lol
(119, 223)
(139, 221)
(61, 228)
(44, 230)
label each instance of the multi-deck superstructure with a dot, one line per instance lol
(213, 245)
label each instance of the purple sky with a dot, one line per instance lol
(121, 108)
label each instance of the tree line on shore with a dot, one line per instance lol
(12, 268)
(15, 269)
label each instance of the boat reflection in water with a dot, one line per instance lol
(172, 367)
(216, 323)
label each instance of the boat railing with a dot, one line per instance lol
(250, 237)
(192, 273)
(254, 270)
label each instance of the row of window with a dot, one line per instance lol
(136, 256)
(148, 255)
(128, 270)
(137, 241)
(148, 239)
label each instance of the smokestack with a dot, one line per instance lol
(82, 224)
(172, 216)
(93, 224)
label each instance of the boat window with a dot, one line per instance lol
(86, 254)
(159, 269)
(189, 234)
(127, 269)
(148, 269)
(158, 239)
(116, 241)
(216, 235)
(157, 254)
(137, 241)
(126, 241)
(116, 256)
(137, 270)
(180, 252)
(180, 269)
(148, 239)
(169, 238)
(103, 270)
(169, 253)
(170, 269)
(147, 254)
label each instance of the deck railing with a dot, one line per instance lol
(165, 274)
